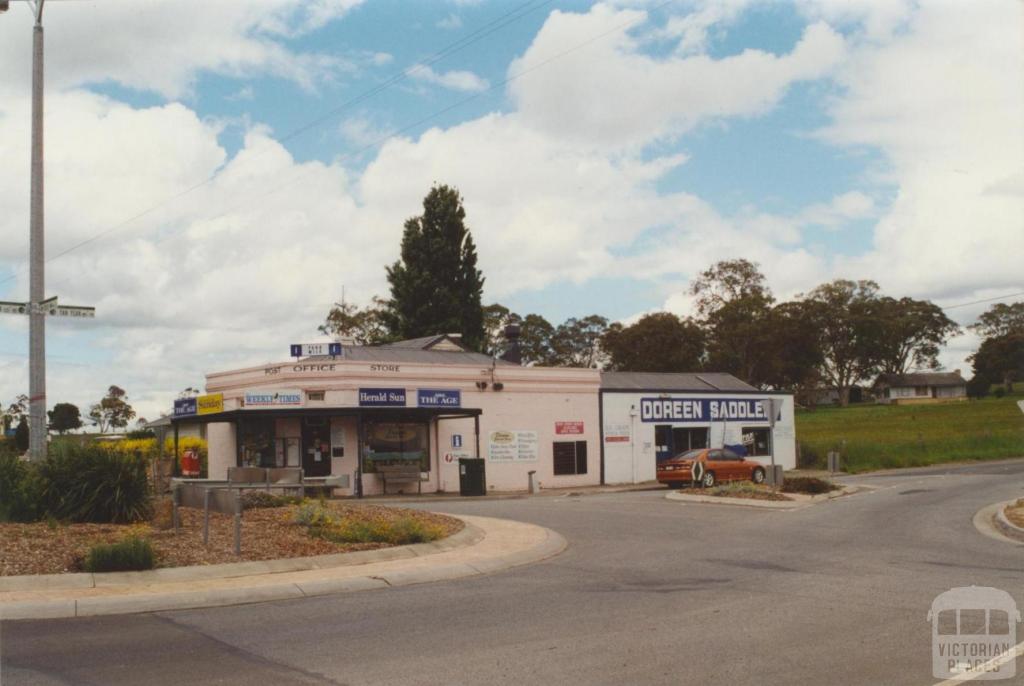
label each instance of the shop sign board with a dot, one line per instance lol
(429, 397)
(273, 398)
(569, 428)
(212, 403)
(681, 410)
(310, 349)
(513, 446)
(382, 397)
(616, 433)
(184, 407)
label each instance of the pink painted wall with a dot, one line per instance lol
(533, 400)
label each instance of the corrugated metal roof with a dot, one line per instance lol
(922, 379)
(375, 353)
(422, 343)
(661, 381)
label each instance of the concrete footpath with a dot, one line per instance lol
(485, 545)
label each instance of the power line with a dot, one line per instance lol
(277, 187)
(475, 36)
(986, 300)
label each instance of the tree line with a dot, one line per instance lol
(111, 412)
(838, 335)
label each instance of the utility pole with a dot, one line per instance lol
(37, 308)
(36, 318)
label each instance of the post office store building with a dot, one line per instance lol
(427, 401)
(430, 401)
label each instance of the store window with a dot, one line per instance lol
(757, 441)
(570, 457)
(256, 444)
(316, 395)
(396, 443)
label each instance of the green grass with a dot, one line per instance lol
(885, 437)
(131, 554)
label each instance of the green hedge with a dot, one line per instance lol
(19, 490)
(130, 555)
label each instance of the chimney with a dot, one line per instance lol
(513, 353)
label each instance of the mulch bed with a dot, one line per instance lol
(1015, 513)
(748, 493)
(267, 534)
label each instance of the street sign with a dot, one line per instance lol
(771, 408)
(50, 308)
(310, 349)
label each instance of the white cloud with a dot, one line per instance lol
(611, 93)
(455, 80)
(943, 103)
(161, 45)
(450, 23)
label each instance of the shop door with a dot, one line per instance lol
(316, 447)
(662, 442)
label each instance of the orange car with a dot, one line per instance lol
(710, 465)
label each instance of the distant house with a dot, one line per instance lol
(922, 387)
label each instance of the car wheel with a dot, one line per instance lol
(709, 479)
(758, 476)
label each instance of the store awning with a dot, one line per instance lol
(391, 414)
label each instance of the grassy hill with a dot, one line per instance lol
(885, 437)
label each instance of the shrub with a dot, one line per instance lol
(19, 490)
(90, 483)
(330, 526)
(130, 555)
(999, 392)
(807, 484)
(745, 489)
(252, 500)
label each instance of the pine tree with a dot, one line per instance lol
(435, 286)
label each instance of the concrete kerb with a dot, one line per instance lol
(992, 522)
(491, 545)
(799, 500)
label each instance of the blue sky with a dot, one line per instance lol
(644, 142)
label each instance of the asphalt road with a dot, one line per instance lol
(649, 591)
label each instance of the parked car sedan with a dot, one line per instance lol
(710, 465)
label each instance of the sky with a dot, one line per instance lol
(218, 173)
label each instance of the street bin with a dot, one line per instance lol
(472, 478)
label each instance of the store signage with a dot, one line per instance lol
(273, 398)
(382, 397)
(569, 428)
(616, 433)
(429, 397)
(310, 349)
(456, 440)
(700, 410)
(210, 404)
(183, 407)
(513, 446)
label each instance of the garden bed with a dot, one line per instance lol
(1015, 513)
(745, 490)
(267, 534)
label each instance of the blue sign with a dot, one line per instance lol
(382, 397)
(456, 440)
(311, 349)
(184, 407)
(428, 397)
(683, 410)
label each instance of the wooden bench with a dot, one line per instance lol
(404, 473)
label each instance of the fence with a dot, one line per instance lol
(218, 499)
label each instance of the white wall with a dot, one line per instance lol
(633, 461)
